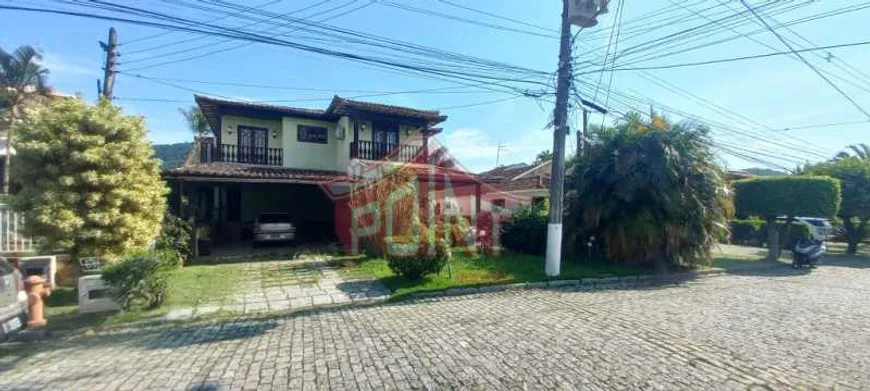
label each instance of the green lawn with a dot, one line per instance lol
(468, 271)
(187, 287)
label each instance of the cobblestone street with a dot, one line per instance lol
(780, 329)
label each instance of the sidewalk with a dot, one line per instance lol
(282, 286)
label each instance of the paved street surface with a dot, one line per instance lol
(758, 331)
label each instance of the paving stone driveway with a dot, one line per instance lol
(781, 330)
(280, 286)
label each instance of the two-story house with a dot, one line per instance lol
(268, 158)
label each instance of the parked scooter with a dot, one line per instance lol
(807, 252)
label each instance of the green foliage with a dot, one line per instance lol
(172, 155)
(753, 232)
(750, 232)
(140, 281)
(175, 238)
(89, 182)
(414, 260)
(787, 196)
(195, 121)
(650, 192)
(853, 172)
(525, 231)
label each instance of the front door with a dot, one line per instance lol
(385, 139)
(252, 145)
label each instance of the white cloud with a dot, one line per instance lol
(62, 66)
(477, 151)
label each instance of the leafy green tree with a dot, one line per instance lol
(93, 186)
(23, 82)
(195, 121)
(543, 156)
(790, 196)
(854, 175)
(649, 191)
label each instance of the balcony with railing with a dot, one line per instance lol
(369, 150)
(241, 154)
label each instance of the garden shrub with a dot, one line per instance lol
(748, 232)
(175, 238)
(413, 260)
(753, 232)
(140, 281)
(526, 231)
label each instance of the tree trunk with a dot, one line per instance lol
(772, 239)
(8, 158)
(854, 234)
(787, 236)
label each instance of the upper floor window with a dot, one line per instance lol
(312, 134)
(252, 145)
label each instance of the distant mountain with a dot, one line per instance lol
(172, 155)
(763, 171)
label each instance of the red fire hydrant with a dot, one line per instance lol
(36, 290)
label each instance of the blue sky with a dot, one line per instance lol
(778, 92)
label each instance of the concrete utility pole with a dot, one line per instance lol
(584, 151)
(582, 13)
(560, 121)
(498, 153)
(111, 49)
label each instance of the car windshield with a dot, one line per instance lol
(267, 218)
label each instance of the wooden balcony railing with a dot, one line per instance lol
(241, 154)
(369, 150)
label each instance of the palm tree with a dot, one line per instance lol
(650, 192)
(195, 121)
(23, 81)
(861, 151)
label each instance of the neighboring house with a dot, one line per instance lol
(267, 158)
(519, 184)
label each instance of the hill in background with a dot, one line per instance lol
(172, 155)
(764, 171)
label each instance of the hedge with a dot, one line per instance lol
(525, 231)
(753, 232)
(787, 196)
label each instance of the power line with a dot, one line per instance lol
(729, 59)
(165, 33)
(467, 8)
(790, 48)
(436, 14)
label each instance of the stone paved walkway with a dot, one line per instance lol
(775, 330)
(281, 286)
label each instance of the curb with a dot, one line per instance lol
(586, 284)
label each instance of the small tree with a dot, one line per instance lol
(195, 121)
(90, 183)
(854, 175)
(790, 196)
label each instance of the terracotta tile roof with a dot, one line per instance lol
(213, 108)
(506, 172)
(529, 183)
(241, 171)
(344, 106)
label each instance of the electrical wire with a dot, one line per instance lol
(790, 48)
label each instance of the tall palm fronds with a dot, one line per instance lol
(861, 151)
(650, 191)
(23, 81)
(195, 121)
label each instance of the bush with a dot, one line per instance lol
(175, 238)
(787, 196)
(140, 281)
(526, 231)
(753, 232)
(413, 260)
